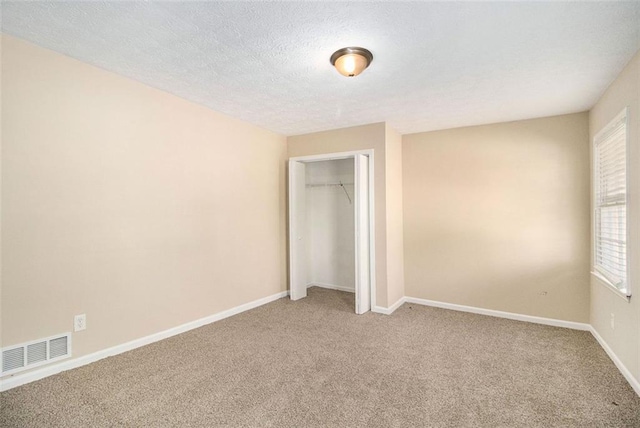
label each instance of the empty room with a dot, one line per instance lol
(320, 214)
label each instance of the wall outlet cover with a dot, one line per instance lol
(613, 321)
(80, 322)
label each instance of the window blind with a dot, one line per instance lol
(610, 185)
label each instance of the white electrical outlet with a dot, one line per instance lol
(613, 321)
(79, 322)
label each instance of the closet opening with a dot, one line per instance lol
(331, 239)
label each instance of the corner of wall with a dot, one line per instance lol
(622, 343)
(394, 208)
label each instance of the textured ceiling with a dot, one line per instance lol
(436, 65)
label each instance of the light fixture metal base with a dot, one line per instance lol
(352, 50)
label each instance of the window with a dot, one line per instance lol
(610, 203)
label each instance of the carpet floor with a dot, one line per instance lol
(315, 363)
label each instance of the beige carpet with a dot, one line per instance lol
(315, 363)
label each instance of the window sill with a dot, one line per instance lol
(609, 286)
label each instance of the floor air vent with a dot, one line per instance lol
(36, 353)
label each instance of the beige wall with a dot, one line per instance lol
(1, 174)
(497, 216)
(135, 207)
(625, 339)
(349, 139)
(395, 237)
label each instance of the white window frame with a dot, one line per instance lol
(598, 271)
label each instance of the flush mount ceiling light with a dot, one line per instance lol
(351, 61)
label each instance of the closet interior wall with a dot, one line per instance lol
(330, 224)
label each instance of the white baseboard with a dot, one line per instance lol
(391, 309)
(381, 310)
(528, 318)
(21, 379)
(623, 369)
(509, 315)
(331, 287)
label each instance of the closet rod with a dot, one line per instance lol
(340, 184)
(329, 184)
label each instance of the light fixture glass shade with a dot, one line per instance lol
(351, 65)
(351, 61)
